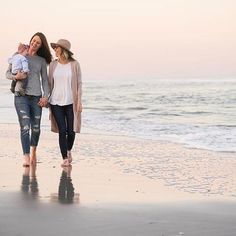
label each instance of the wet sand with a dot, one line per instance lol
(100, 195)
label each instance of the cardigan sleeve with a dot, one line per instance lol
(52, 67)
(79, 76)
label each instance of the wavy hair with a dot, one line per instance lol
(44, 50)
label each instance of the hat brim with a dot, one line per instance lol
(53, 45)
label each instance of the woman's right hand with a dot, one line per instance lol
(20, 75)
(79, 107)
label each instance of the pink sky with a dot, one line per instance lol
(129, 39)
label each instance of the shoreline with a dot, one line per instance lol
(111, 193)
(185, 170)
(92, 131)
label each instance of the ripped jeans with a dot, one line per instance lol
(29, 116)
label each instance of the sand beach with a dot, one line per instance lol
(106, 193)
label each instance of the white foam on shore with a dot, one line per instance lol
(193, 171)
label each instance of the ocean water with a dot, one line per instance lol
(194, 112)
(197, 113)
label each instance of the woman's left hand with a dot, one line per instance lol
(43, 102)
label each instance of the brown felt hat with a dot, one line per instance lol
(63, 43)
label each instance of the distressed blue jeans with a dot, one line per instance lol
(29, 116)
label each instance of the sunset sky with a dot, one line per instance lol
(131, 39)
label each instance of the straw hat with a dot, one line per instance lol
(63, 43)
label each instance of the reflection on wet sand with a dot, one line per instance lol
(29, 184)
(66, 193)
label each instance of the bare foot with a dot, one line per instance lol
(65, 163)
(26, 161)
(69, 156)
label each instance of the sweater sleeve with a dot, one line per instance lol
(9, 75)
(44, 78)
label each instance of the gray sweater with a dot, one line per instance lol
(37, 77)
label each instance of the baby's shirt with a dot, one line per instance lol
(19, 63)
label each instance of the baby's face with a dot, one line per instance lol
(25, 52)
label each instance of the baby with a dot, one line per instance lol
(19, 64)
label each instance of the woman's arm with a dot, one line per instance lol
(79, 105)
(44, 76)
(9, 75)
(18, 76)
(44, 100)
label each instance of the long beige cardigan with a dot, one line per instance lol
(76, 85)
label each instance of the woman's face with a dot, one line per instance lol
(35, 43)
(58, 51)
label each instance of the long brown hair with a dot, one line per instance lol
(44, 50)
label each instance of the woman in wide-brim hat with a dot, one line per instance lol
(64, 44)
(65, 99)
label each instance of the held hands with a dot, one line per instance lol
(43, 102)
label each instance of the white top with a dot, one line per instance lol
(19, 63)
(62, 91)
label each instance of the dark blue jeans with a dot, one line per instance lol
(29, 116)
(64, 117)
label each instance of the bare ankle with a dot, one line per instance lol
(26, 160)
(69, 156)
